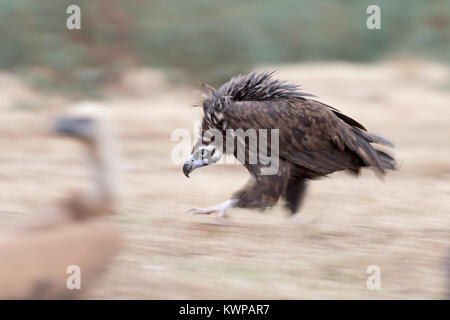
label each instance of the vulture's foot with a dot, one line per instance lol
(220, 208)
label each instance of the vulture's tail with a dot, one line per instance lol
(386, 160)
(360, 143)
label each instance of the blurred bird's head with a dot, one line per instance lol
(86, 122)
(201, 156)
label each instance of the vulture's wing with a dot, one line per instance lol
(342, 116)
(311, 134)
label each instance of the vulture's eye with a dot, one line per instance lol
(205, 154)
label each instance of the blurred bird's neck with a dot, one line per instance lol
(104, 163)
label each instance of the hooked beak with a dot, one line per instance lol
(191, 164)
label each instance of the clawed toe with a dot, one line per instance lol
(220, 213)
(200, 211)
(220, 208)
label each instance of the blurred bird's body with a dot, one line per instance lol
(34, 263)
(37, 252)
(314, 140)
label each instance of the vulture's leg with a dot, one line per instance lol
(220, 208)
(262, 191)
(294, 193)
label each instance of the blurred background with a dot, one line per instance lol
(209, 40)
(144, 61)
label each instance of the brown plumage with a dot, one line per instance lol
(35, 254)
(314, 139)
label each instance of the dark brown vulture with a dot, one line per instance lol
(314, 140)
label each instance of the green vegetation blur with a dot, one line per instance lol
(207, 40)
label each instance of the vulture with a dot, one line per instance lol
(39, 254)
(308, 138)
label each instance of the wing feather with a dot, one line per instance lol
(311, 134)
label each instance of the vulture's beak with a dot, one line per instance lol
(191, 164)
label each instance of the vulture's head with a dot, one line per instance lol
(201, 156)
(90, 124)
(86, 122)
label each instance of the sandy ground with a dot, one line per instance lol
(401, 225)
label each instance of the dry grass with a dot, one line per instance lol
(401, 224)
